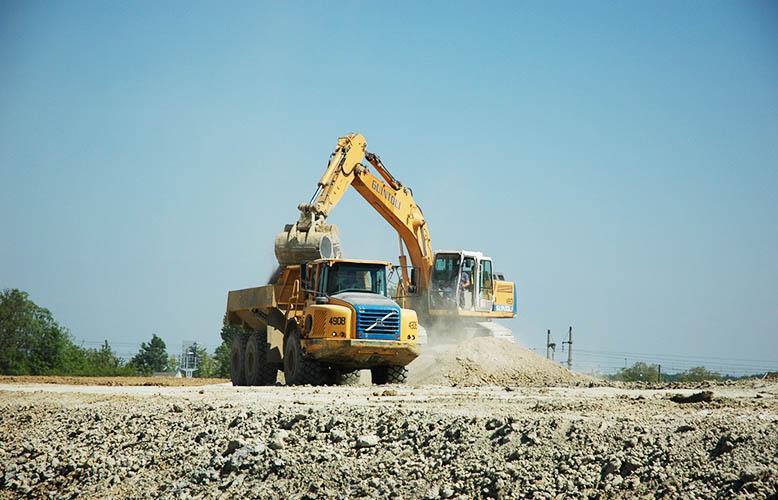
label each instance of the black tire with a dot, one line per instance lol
(299, 370)
(389, 375)
(237, 360)
(347, 378)
(258, 371)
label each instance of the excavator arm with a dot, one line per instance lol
(312, 238)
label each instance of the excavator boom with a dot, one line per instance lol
(312, 238)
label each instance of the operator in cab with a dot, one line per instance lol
(466, 284)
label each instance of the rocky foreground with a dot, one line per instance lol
(427, 442)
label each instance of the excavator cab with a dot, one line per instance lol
(445, 281)
(462, 280)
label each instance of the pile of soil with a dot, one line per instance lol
(487, 361)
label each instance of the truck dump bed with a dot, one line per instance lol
(251, 306)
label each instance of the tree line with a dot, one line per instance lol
(33, 343)
(648, 372)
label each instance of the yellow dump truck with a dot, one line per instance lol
(320, 322)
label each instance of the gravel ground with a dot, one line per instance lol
(390, 441)
(151, 381)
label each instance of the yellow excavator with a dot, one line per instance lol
(455, 293)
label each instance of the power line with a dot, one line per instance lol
(671, 363)
(688, 363)
(679, 359)
(680, 356)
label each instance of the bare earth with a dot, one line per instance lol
(388, 441)
(150, 381)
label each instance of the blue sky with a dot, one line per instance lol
(619, 160)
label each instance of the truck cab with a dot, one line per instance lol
(360, 287)
(321, 321)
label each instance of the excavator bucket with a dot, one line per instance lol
(320, 241)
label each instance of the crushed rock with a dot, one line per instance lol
(438, 442)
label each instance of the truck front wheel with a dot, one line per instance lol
(299, 370)
(389, 375)
(258, 371)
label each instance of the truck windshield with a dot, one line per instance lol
(348, 277)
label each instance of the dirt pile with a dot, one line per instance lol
(487, 361)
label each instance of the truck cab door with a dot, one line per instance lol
(485, 285)
(323, 276)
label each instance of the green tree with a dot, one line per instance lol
(221, 358)
(151, 357)
(172, 363)
(639, 372)
(230, 331)
(94, 362)
(205, 364)
(698, 374)
(31, 342)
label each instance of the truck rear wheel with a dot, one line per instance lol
(389, 375)
(299, 370)
(257, 369)
(237, 359)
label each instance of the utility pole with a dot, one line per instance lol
(659, 373)
(550, 346)
(569, 343)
